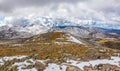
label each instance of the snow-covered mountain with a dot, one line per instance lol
(23, 27)
(51, 22)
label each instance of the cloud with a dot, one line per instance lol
(9, 5)
(98, 9)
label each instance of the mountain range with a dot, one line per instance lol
(26, 27)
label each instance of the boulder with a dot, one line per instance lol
(73, 68)
(39, 66)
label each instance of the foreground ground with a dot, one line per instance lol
(59, 53)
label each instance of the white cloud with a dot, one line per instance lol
(98, 9)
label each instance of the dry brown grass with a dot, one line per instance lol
(108, 40)
(110, 43)
(49, 51)
(46, 37)
(44, 51)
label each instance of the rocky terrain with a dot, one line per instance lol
(59, 51)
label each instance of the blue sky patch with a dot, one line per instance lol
(1, 18)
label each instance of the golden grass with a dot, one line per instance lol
(46, 37)
(110, 43)
(108, 40)
(44, 51)
(48, 51)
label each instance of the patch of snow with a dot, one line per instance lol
(73, 39)
(25, 63)
(6, 58)
(33, 69)
(61, 43)
(81, 65)
(37, 29)
(21, 63)
(55, 67)
(42, 61)
(17, 44)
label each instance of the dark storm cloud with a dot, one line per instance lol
(9, 5)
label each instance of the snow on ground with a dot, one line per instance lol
(61, 43)
(23, 64)
(6, 58)
(17, 44)
(20, 64)
(73, 39)
(51, 66)
(33, 69)
(55, 67)
(112, 61)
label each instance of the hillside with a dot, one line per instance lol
(58, 47)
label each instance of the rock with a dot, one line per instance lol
(88, 68)
(73, 68)
(98, 67)
(102, 51)
(28, 67)
(39, 66)
(13, 68)
(102, 67)
(8, 63)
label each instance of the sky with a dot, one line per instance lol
(96, 9)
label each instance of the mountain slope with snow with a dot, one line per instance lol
(26, 27)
